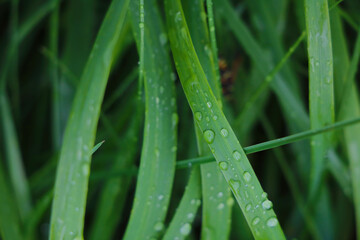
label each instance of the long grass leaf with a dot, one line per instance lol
(217, 131)
(68, 210)
(215, 190)
(157, 165)
(180, 225)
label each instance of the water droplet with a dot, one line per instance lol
(224, 132)
(267, 204)
(223, 165)
(86, 169)
(230, 201)
(207, 119)
(141, 25)
(272, 222)
(161, 197)
(235, 184)
(215, 117)
(220, 194)
(157, 152)
(247, 176)
(163, 38)
(209, 136)
(190, 216)
(174, 148)
(161, 89)
(185, 229)
(159, 226)
(209, 104)
(178, 17)
(198, 116)
(236, 155)
(264, 195)
(221, 206)
(255, 221)
(248, 207)
(175, 119)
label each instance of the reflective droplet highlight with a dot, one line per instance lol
(224, 132)
(223, 165)
(209, 136)
(267, 204)
(247, 176)
(236, 155)
(185, 229)
(255, 221)
(272, 222)
(198, 116)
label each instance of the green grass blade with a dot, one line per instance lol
(157, 165)
(321, 84)
(180, 225)
(54, 78)
(10, 228)
(217, 131)
(68, 210)
(350, 107)
(213, 183)
(14, 158)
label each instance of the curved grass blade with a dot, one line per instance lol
(68, 210)
(157, 165)
(321, 84)
(180, 225)
(10, 228)
(14, 159)
(215, 190)
(217, 132)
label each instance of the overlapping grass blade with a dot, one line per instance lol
(321, 84)
(68, 210)
(217, 131)
(157, 165)
(215, 190)
(180, 225)
(321, 95)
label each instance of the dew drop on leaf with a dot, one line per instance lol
(255, 221)
(247, 176)
(236, 155)
(185, 229)
(209, 136)
(224, 132)
(223, 165)
(159, 226)
(272, 222)
(267, 204)
(198, 116)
